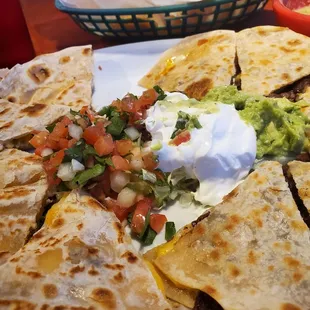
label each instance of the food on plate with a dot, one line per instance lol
(80, 258)
(64, 78)
(264, 60)
(281, 126)
(23, 190)
(271, 57)
(250, 252)
(195, 65)
(304, 10)
(18, 122)
(37, 93)
(195, 141)
(105, 154)
(299, 171)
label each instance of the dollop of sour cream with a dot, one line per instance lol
(219, 155)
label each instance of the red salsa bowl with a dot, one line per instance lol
(287, 17)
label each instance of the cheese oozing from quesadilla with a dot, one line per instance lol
(80, 259)
(220, 152)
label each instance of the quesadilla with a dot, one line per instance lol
(80, 259)
(300, 173)
(195, 65)
(271, 57)
(251, 252)
(18, 122)
(64, 78)
(23, 189)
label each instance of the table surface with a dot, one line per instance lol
(51, 30)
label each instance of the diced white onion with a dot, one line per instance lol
(77, 166)
(136, 163)
(126, 198)
(47, 151)
(132, 133)
(119, 179)
(65, 172)
(75, 131)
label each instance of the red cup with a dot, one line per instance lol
(288, 18)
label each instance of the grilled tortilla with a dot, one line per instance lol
(195, 65)
(19, 121)
(64, 78)
(23, 189)
(80, 259)
(251, 252)
(300, 172)
(271, 57)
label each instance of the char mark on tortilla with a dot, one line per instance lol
(292, 91)
(293, 188)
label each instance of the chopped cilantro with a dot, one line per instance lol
(160, 92)
(185, 121)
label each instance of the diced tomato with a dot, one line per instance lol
(60, 130)
(123, 147)
(127, 104)
(39, 150)
(157, 222)
(57, 158)
(52, 180)
(135, 117)
(71, 142)
(88, 112)
(121, 213)
(63, 143)
(93, 133)
(138, 219)
(148, 98)
(52, 143)
(182, 137)
(104, 182)
(159, 175)
(66, 121)
(150, 161)
(39, 139)
(104, 145)
(120, 163)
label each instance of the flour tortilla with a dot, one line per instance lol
(300, 171)
(271, 57)
(195, 65)
(23, 190)
(252, 252)
(61, 78)
(81, 257)
(17, 121)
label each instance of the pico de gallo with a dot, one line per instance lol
(107, 154)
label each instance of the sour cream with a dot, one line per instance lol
(219, 155)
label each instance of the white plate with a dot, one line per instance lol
(122, 67)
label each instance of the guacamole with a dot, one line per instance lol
(279, 124)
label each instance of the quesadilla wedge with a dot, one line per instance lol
(251, 252)
(64, 78)
(80, 259)
(18, 122)
(23, 189)
(195, 65)
(271, 57)
(300, 173)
